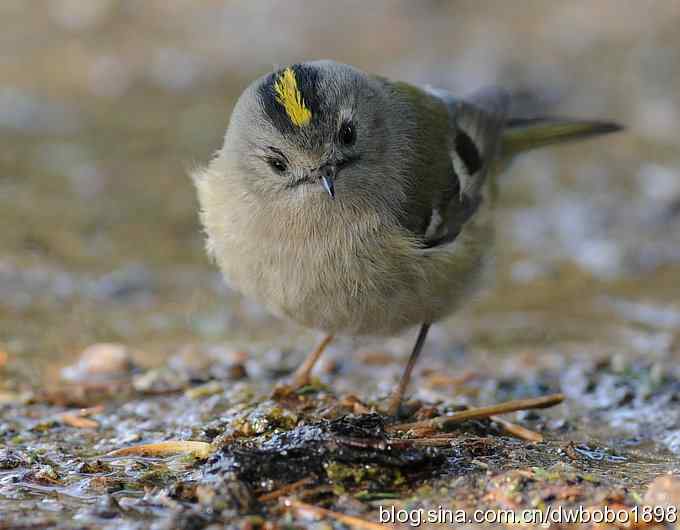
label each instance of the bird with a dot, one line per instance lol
(361, 206)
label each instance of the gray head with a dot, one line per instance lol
(311, 132)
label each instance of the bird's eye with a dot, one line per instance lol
(277, 164)
(348, 134)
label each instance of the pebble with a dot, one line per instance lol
(664, 491)
(100, 360)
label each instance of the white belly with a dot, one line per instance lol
(358, 277)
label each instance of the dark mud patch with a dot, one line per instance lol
(348, 450)
(353, 464)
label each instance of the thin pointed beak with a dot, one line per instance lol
(327, 182)
(327, 177)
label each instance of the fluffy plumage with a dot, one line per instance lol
(409, 233)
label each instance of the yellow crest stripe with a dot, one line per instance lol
(288, 94)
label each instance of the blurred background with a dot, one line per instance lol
(105, 105)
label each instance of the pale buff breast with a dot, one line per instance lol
(334, 269)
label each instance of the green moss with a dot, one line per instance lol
(372, 478)
(265, 418)
(158, 476)
(44, 426)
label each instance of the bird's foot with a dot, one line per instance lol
(396, 408)
(291, 386)
(302, 377)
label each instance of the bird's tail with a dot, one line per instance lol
(524, 134)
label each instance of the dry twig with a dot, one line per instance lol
(285, 490)
(425, 427)
(517, 430)
(430, 441)
(322, 513)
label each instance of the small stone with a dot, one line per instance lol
(201, 391)
(664, 491)
(237, 371)
(10, 459)
(93, 467)
(159, 381)
(106, 507)
(100, 360)
(46, 474)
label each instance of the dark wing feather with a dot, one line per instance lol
(476, 127)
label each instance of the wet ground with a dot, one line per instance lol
(104, 107)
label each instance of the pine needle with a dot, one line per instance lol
(304, 508)
(79, 422)
(200, 450)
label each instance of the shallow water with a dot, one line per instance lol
(105, 106)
